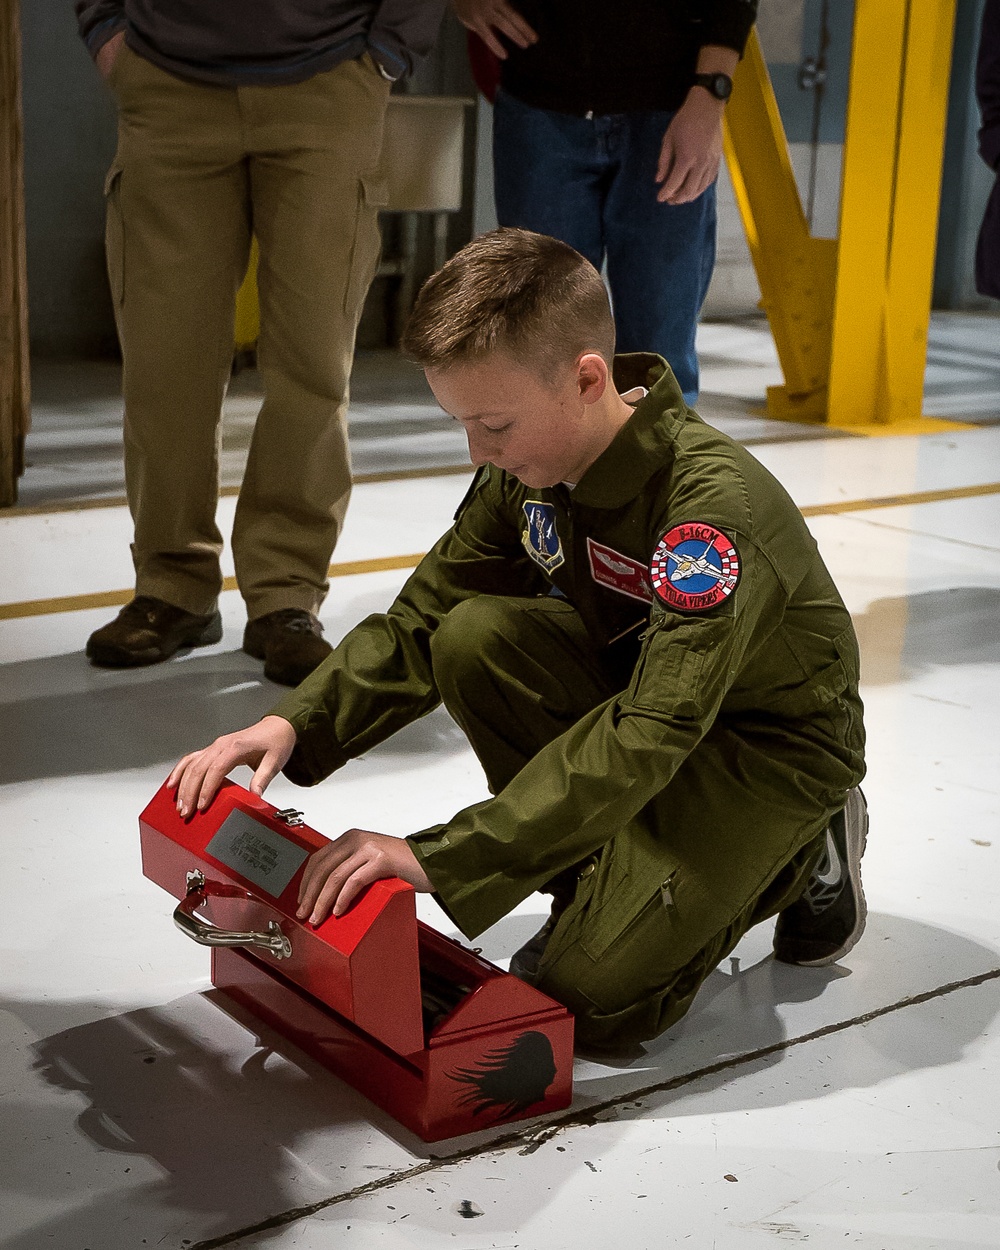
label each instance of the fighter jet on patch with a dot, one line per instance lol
(691, 566)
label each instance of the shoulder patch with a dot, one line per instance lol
(694, 568)
(540, 538)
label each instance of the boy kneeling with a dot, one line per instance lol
(632, 624)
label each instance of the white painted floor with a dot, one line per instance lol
(852, 1106)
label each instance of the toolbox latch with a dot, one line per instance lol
(291, 817)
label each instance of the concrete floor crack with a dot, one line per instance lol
(533, 1137)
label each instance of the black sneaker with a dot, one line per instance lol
(289, 641)
(524, 962)
(148, 631)
(827, 920)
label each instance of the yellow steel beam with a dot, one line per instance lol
(850, 316)
(795, 271)
(893, 155)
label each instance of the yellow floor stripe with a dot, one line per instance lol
(900, 501)
(227, 492)
(348, 568)
(115, 598)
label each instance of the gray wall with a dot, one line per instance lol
(69, 139)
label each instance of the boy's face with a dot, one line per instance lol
(539, 430)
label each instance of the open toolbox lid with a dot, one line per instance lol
(239, 864)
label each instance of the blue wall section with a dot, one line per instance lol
(808, 114)
(966, 180)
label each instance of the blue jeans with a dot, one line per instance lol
(590, 182)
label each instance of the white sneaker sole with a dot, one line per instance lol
(855, 814)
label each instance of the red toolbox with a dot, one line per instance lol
(438, 1037)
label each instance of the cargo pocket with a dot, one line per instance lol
(114, 234)
(638, 951)
(608, 909)
(631, 949)
(373, 194)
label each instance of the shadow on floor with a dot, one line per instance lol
(232, 1139)
(737, 1014)
(902, 637)
(64, 718)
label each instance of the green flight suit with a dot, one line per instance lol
(677, 764)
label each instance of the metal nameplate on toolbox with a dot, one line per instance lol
(264, 857)
(231, 866)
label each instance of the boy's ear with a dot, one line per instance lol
(593, 375)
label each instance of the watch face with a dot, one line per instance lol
(719, 85)
(722, 86)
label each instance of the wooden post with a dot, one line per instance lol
(15, 387)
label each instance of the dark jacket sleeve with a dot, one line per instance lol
(581, 788)
(988, 85)
(380, 677)
(728, 22)
(98, 21)
(403, 32)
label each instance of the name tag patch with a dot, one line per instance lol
(694, 567)
(610, 568)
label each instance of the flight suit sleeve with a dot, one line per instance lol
(380, 678)
(580, 790)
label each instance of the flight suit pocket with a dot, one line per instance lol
(373, 194)
(667, 674)
(638, 949)
(632, 948)
(608, 912)
(114, 234)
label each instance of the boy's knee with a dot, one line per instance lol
(606, 1018)
(466, 639)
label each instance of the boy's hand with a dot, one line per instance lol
(336, 875)
(265, 746)
(491, 18)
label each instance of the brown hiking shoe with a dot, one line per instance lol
(147, 630)
(289, 642)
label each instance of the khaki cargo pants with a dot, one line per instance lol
(729, 842)
(199, 168)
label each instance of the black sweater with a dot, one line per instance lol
(247, 42)
(630, 56)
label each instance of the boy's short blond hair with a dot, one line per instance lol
(514, 291)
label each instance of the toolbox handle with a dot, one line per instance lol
(273, 941)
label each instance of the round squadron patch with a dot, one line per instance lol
(694, 567)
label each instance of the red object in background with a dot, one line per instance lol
(485, 66)
(438, 1037)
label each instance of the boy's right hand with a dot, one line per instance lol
(265, 746)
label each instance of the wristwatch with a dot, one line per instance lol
(719, 85)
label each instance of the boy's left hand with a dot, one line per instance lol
(336, 875)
